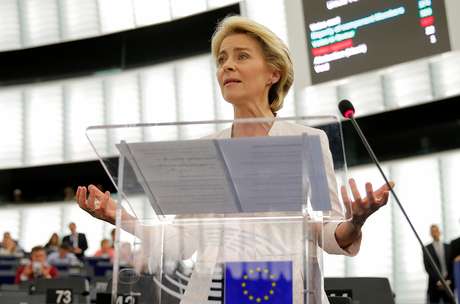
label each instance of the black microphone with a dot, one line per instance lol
(348, 111)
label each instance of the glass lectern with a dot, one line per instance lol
(216, 218)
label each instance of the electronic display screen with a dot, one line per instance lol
(347, 37)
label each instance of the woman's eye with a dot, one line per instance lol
(220, 60)
(243, 56)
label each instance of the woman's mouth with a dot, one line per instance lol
(231, 81)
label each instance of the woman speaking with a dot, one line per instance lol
(255, 72)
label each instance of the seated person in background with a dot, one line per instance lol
(454, 258)
(6, 235)
(63, 256)
(36, 268)
(106, 251)
(112, 236)
(10, 247)
(126, 254)
(77, 241)
(53, 244)
(455, 250)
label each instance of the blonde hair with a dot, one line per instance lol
(275, 51)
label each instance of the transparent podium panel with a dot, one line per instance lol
(223, 211)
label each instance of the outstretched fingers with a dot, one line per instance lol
(104, 201)
(91, 200)
(383, 193)
(81, 197)
(384, 188)
(364, 203)
(384, 198)
(370, 196)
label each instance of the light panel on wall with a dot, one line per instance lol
(44, 124)
(289, 106)
(10, 218)
(319, 100)
(38, 231)
(418, 184)
(123, 107)
(450, 175)
(159, 101)
(182, 8)
(272, 16)
(84, 108)
(116, 15)
(408, 84)
(10, 32)
(40, 19)
(79, 19)
(195, 95)
(445, 75)
(365, 92)
(151, 12)
(220, 3)
(11, 128)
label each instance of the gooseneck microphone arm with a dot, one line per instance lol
(348, 111)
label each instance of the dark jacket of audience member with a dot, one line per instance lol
(454, 253)
(77, 241)
(435, 291)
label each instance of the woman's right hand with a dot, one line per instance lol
(100, 205)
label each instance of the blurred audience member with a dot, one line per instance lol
(112, 236)
(63, 256)
(455, 249)
(10, 247)
(36, 268)
(105, 251)
(441, 255)
(454, 257)
(77, 241)
(6, 236)
(17, 195)
(53, 244)
(69, 194)
(126, 254)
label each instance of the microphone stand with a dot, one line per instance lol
(427, 253)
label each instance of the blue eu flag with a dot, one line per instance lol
(258, 282)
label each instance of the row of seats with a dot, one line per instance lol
(339, 290)
(93, 267)
(40, 291)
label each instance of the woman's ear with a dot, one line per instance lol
(276, 75)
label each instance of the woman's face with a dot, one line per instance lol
(242, 71)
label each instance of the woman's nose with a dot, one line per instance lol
(229, 65)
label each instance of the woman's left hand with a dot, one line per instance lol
(362, 208)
